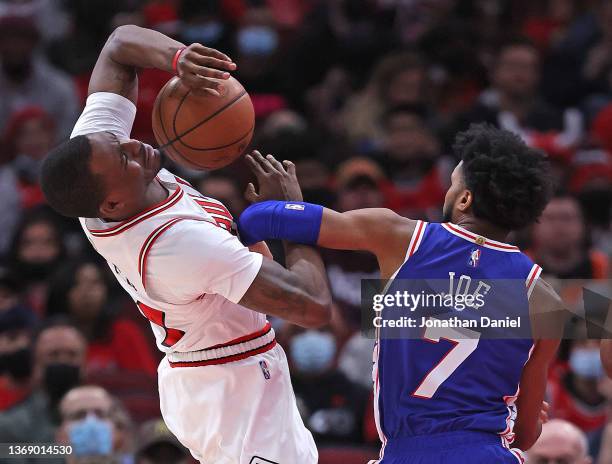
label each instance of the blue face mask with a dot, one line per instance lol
(312, 351)
(206, 33)
(585, 362)
(91, 437)
(257, 40)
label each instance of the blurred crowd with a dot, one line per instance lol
(365, 96)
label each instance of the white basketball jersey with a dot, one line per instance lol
(170, 258)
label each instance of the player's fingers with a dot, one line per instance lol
(290, 167)
(254, 165)
(265, 164)
(250, 194)
(274, 162)
(214, 63)
(199, 82)
(199, 72)
(206, 72)
(202, 50)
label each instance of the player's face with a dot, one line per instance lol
(127, 167)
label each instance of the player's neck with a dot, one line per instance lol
(155, 194)
(483, 228)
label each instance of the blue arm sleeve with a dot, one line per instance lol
(294, 221)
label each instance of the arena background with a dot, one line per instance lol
(365, 97)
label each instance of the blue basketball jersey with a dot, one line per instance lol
(435, 383)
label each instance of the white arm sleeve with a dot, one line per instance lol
(106, 111)
(196, 257)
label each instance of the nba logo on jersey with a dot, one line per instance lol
(264, 369)
(474, 257)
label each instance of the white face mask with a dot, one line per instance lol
(257, 40)
(585, 362)
(312, 351)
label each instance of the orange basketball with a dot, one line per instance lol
(203, 131)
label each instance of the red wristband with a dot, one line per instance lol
(177, 55)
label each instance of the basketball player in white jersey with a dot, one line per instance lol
(224, 383)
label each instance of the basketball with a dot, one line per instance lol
(203, 131)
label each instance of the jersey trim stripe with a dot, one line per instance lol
(180, 180)
(518, 455)
(146, 247)
(245, 338)
(226, 359)
(148, 213)
(479, 240)
(415, 241)
(234, 350)
(413, 246)
(532, 278)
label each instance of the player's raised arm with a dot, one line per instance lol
(380, 231)
(131, 47)
(300, 292)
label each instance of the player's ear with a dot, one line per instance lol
(464, 201)
(110, 207)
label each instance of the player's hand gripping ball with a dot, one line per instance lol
(204, 118)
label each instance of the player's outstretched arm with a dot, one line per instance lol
(300, 292)
(380, 231)
(131, 47)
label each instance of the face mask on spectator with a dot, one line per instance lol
(312, 351)
(205, 33)
(59, 378)
(91, 436)
(585, 362)
(257, 40)
(17, 364)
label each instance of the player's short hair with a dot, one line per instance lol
(67, 181)
(510, 181)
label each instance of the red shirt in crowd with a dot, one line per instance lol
(126, 348)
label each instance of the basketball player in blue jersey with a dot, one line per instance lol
(442, 398)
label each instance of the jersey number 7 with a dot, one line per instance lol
(464, 342)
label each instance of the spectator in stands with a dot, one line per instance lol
(575, 393)
(83, 291)
(88, 424)
(357, 181)
(597, 67)
(512, 102)
(226, 190)
(413, 160)
(16, 331)
(27, 79)
(560, 442)
(59, 356)
(331, 405)
(157, 445)
(29, 136)
(561, 242)
(398, 79)
(37, 249)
